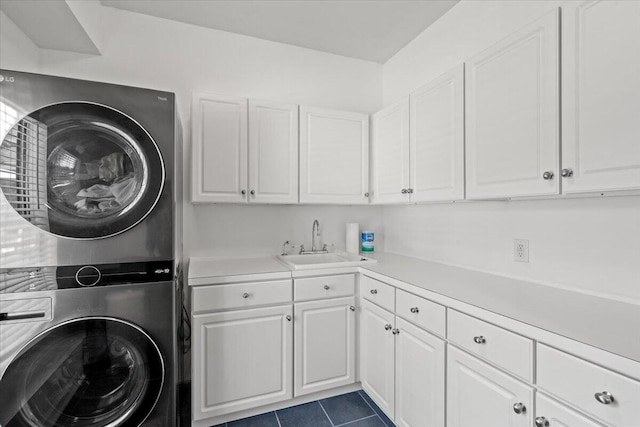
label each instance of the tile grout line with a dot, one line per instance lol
(360, 419)
(360, 393)
(325, 413)
(277, 418)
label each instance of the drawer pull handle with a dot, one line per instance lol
(605, 398)
(327, 287)
(414, 309)
(395, 331)
(374, 291)
(245, 295)
(352, 308)
(542, 422)
(479, 339)
(288, 318)
(387, 327)
(519, 408)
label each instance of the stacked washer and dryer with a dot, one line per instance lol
(87, 254)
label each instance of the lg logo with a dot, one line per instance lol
(7, 79)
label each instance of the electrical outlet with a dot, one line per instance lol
(521, 250)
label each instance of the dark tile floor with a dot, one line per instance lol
(350, 410)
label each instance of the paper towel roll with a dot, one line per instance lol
(353, 238)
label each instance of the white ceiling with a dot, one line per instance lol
(363, 29)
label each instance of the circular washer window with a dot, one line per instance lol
(86, 372)
(81, 170)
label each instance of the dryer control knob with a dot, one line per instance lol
(88, 276)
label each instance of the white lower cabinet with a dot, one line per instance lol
(479, 395)
(325, 347)
(402, 368)
(243, 359)
(550, 413)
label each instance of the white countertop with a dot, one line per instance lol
(592, 320)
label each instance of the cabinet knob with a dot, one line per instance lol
(373, 291)
(604, 397)
(327, 287)
(542, 422)
(519, 408)
(387, 327)
(243, 192)
(252, 192)
(414, 309)
(547, 175)
(566, 173)
(410, 190)
(352, 308)
(479, 339)
(245, 295)
(403, 191)
(366, 194)
(395, 331)
(288, 318)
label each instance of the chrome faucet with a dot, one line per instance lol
(315, 232)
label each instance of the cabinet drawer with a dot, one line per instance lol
(378, 292)
(324, 287)
(578, 381)
(239, 295)
(506, 349)
(422, 312)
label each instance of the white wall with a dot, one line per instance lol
(146, 51)
(588, 244)
(17, 51)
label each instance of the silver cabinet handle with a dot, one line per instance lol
(327, 287)
(414, 309)
(604, 397)
(479, 339)
(566, 173)
(245, 295)
(243, 192)
(410, 190)
(547, 175)
(373, 291)
(403, 191)
(352, 308)
(519, 408)
(289, 318)
(366, 194)
(395, 331)
(252, 192)
(387, 327)
(542, 422)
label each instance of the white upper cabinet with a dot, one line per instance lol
(437, 139)
(334, 156)
(390, 152)
(219, 156)
(273, 152)
(512, 114)
(601, 96)
(228, 166)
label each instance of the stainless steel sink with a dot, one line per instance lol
(326, 260)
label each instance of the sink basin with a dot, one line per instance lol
(330, 260)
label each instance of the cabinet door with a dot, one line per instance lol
(219, 152)
(334, 156)
(273, 152)
(550, 413)
(601, 95)
(390, 152)
(377, 356)
(324, 355)
(241, 359)
(512, 114)
(479, 395)
(437, 139)
(420, 371)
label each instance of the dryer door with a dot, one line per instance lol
(80, 170)
(85, 372)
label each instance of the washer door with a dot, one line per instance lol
(80, 170)
(86, 372)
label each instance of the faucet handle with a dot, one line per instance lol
(298, 246)
(326, 246)
(284, 248)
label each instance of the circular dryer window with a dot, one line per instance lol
(81, 170)
(86, 372)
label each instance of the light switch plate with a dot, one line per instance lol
(521, 250)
